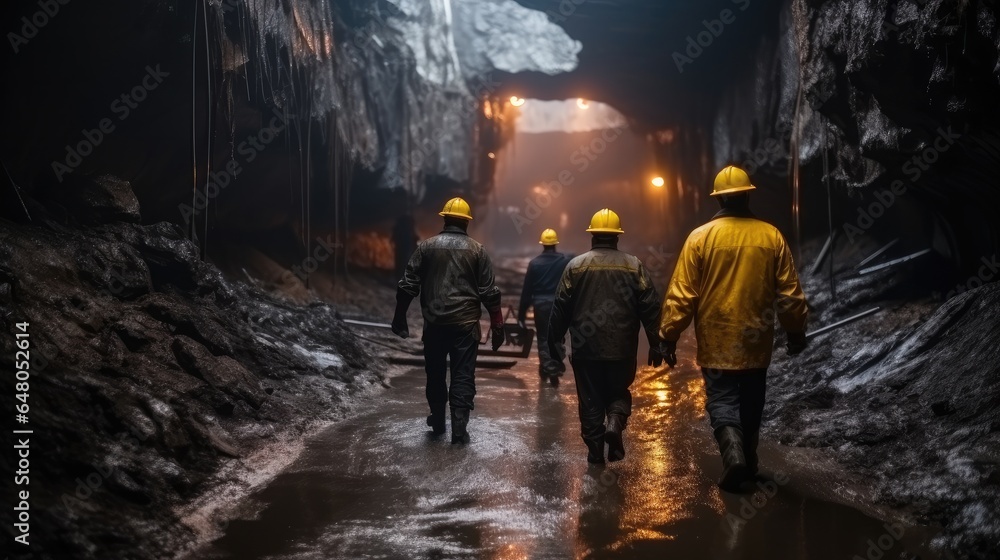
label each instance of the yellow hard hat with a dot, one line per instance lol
(549, 237)
(605, 221)
(456, 208)
(732, 180)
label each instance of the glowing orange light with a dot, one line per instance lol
(516, 101)
(491, 155)
(658, 182)
(582, 103)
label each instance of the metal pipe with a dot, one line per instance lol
(894, 262)
(843, 322)
(876, 254)
(823, 253)
(368, 324)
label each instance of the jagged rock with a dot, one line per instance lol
(216, 437)
(223, 373)
(188, 322)
(123, 484)
(172, 430)
(99, 200)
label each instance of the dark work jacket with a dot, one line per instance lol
(453, 276)
(542, 279)
(602, 298)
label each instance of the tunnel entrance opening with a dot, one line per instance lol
(567, 159)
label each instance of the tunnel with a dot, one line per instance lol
(212, 220)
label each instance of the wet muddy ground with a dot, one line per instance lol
(378, 486)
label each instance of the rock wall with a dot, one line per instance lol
(150, 375)
(889, 97)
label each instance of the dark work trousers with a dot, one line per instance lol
(602, 388)
(547, 363)
(736, 398)
(461, 344)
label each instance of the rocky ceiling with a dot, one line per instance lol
(638, 55)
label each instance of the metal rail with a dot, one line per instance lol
(843, 322)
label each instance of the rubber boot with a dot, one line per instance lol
(436, 422)
(613, 437)
(734, 464)
(459, 423)
(595, 451)
(750, 441)
(554, 376)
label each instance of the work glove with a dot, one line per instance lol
(496, 328)
(399, 326)
(655, 358)
(668, 349)
(497, 336)
(796, 343)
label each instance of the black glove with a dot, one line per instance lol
(655, 357)
(497, 336)
(399, 326)
(796, 343)
(668, 349)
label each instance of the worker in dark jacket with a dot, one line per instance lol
(453, 276)
(602, 298)
(540, 283)
(732, 275)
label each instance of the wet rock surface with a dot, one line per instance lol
(151, 374)
(905, 400)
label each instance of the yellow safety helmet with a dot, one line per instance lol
(549, 237)
(605, 221)
(732, 180)
(457, 208)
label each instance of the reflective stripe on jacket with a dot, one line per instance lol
(602, 297)
(453, 276)
(732, 277)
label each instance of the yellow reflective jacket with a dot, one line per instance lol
(733, 276)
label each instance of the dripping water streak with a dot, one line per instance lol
(210, 123)
(194, 133)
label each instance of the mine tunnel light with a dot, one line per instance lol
(491, 155)
(516, 101)
(658, 182)
(582, 103)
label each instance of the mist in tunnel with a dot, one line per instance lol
(567, 160)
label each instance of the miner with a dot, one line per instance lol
(453, 276)
(732, 276)
(540, 282)
(602, 297)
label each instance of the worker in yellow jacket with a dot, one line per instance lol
(732, 276)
